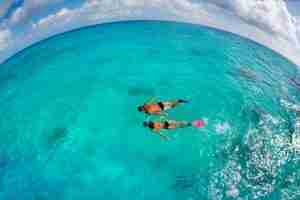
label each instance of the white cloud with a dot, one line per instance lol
(298, 27)
(61, 17)
(28, 8)
(18, 15)
(5, 39)
(269, 15)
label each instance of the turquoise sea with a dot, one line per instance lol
(70, 129)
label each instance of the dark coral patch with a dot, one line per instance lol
(58, 134)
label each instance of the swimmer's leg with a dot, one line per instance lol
(184, 124)
(174, 103)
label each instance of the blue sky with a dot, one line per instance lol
(274, 23)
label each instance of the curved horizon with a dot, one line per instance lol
(274, 24)
(141, 20)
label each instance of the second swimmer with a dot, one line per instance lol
(156, 126)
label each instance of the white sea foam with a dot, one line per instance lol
(222, 127)
(290, 106)
(261, 157)
(232, 192)
(295, 143)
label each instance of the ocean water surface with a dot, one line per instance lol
(70, 129)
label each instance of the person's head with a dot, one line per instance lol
(145, 124)
(141, 108)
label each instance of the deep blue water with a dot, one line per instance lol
(70, 128)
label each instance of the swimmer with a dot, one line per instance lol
(156, 126)
(159, 107)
